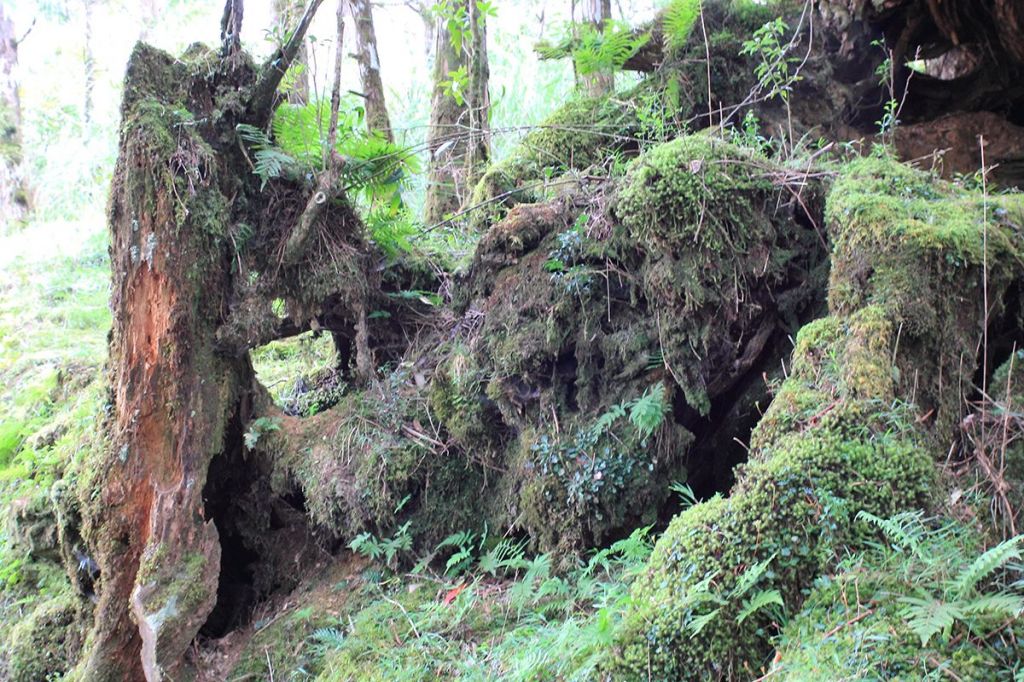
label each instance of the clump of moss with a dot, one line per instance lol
(379, 459)
(841, 435)
(46, 644)
(701, 211)
(863, 450)
(584, 132)
(899, 233)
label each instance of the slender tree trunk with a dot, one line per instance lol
(458, 134)
(90, 64)
(14, 198)
(477, 95)
(369, 68)
(447, 134)
(598, 13)
(150, 11)
(286, 14)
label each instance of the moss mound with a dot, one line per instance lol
(45, 644)
(844, 433)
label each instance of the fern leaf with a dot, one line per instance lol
(903, 531)
(759, 601)
(928, 617)
(678, 22)
(328, 638)
(999, 605)
(700, 622)
(750, 577)
(985, 565)
(648, 411)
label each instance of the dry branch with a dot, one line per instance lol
(261, 103)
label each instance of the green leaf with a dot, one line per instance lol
(760, 600)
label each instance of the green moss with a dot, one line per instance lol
(45, 644)
(582, 133)
(814, 446)
(701, 209)
(840, 435)
(379, 459)
(903, 232)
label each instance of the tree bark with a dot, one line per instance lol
(186, 312)
(597, 13)
(14, 197)
(231, 27)
(446, 134)
(457, 136)
(90, 64)
(377, 120)
(477, 96)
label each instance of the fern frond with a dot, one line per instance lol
(648, 411)
(998, 605)
(928, 617)
(985, 565)
(328, 638)
(459, 539)
(607, 49)
(750, 577)
(903, 531)
(759, 601)
(698, 623)
(605, 421)
(678, 22)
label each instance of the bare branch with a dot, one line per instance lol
(262, 100)
(231, 27)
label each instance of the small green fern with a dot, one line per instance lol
(608, 49)
(268, 160)
(968, 580)
(759, 601)
(678, 22)
(903, 531)
(648, 411)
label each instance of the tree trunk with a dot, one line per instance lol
(90, 64)
(14, 199)
(187, 309)
(477, 96)
(286, 14)
(369, 69)
(597, 13)
(457, 137)
(173, 396)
